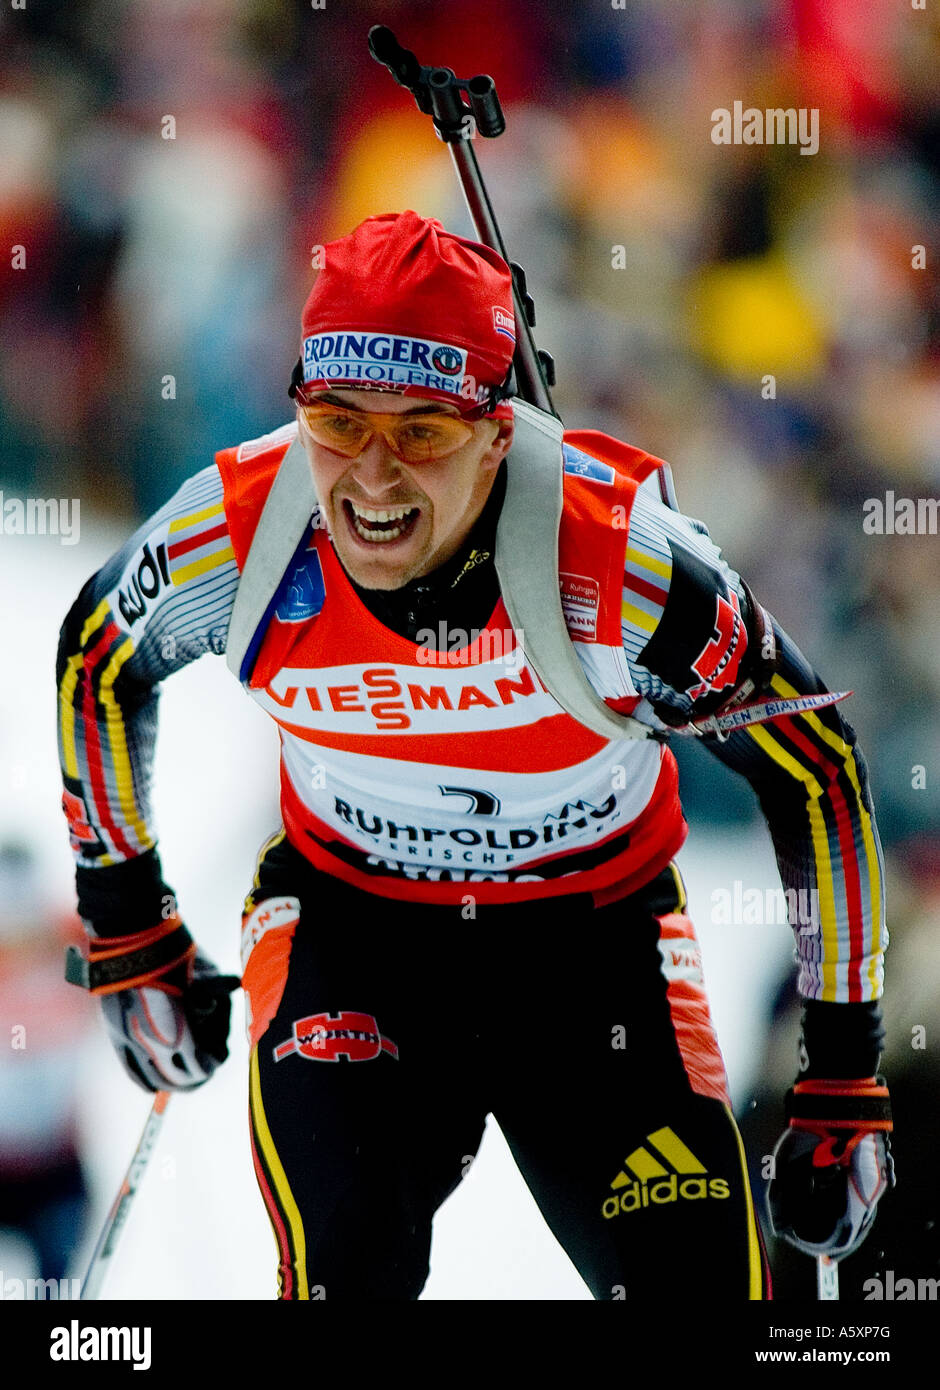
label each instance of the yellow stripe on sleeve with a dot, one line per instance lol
(638, 618)
(208, 562)
(836, 742)
(94, 621)
(117, 739)
(67, 713)
(70, 681)
(182, 522)
(820, 841)
(648, 562)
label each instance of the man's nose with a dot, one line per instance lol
(377, 470)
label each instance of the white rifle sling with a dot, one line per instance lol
(527, 565)
(282, 526)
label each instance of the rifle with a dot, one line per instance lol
(459, 108)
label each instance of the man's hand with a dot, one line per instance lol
(173, 1041)
(169, 1023)
(832, 1165)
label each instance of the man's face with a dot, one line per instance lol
(439, 501)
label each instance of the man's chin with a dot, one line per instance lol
(380, 570)
(378, 564)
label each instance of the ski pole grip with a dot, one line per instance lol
(484, 103)
(449, 110)
(401, 63)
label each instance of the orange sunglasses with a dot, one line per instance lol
(417, 438)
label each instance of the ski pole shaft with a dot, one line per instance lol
(117, 1216)
(827, 1278)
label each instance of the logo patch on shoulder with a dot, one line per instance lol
(303, 592)
(583, 466)
(718, 662)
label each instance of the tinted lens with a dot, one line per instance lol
(426, 437)
(336, 429)
(412, 438)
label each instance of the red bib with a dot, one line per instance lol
(426, 774)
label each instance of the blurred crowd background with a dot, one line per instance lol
(672, 276)
(190, 257)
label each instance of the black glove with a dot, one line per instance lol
(832, 1165)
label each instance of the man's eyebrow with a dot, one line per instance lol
(428, 408)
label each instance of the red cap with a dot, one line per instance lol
(401, 304)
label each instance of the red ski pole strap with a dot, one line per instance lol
(114, 963)
(826, 1105)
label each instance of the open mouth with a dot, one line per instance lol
(380, 527)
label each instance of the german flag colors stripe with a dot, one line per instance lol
(845, 961)
(282, 1209)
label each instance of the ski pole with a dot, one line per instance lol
(439, 93)
(827, 1278)
(107, 1241)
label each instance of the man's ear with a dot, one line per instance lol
(502, 440)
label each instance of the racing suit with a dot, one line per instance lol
(471, 906)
